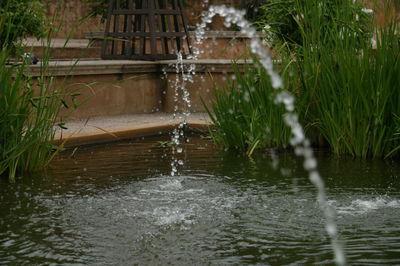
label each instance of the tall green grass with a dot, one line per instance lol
(28, 109)
(244, 114)
(353, 89)
(348, 92)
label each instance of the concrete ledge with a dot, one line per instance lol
(94, 67)
(114, 128)
(58, 43)
(62, 49)
(101, 67)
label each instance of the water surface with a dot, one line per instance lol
(117, 204)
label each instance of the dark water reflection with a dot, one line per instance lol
(117, 204)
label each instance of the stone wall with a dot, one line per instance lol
(385, 10)
(70, 16)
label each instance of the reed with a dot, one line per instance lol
(347, 90)
(352, 88)
(28, 109)
(282, 20)
(244, 114)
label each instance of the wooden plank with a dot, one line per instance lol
(116, 30)
(164, 29)
(114, 49)
(107, 28)
(152, 57)
(184, 21)
(158, 25)
(122, 35)
(124, 28)
(142, 30)
(146, 11)
(177, 29)
(152, 27)
(129, 29)
(170, 30)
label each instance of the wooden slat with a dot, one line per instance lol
(129, 29)
(107, 28)
(142, 49)
(126, 35)
(124, 29)
(159, 25)
(184, 22)
(142, 57)
(145, 12)
(136, 26)
(176, 22)
(152, 26)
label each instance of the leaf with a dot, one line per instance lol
(62, 125)
(64, 104)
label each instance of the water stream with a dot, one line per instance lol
(182, 77)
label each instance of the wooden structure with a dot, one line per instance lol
(145, 30)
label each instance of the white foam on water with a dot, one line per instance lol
(171, 185)
(160, 191)
(363, 206)
(166, 216)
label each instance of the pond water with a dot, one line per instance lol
(117, 204)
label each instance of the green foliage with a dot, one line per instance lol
(347, 91)
(28, 109)
(396, 138)
(20, 19)
(252, 8)
(99, 8)
(244, 114)
(164, 144)
(283, 20)
(353, 94)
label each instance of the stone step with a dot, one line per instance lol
(63, 49)
(114, 128)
